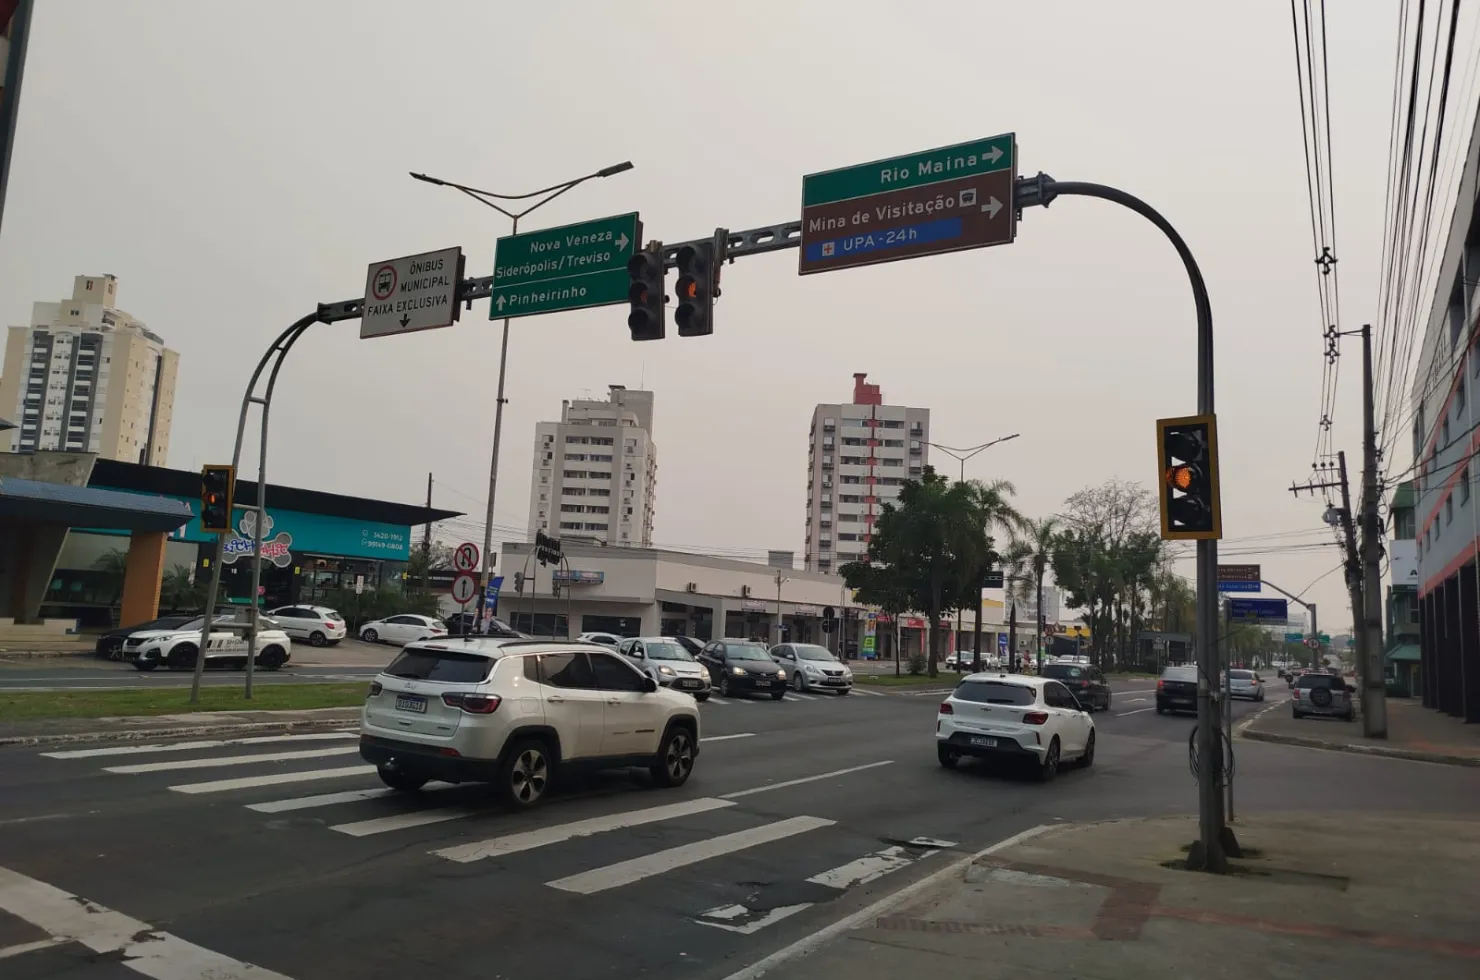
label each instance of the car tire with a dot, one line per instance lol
(272, 658)
(182, 657)
(675, 759)
(401, 780)
(1160, 710)
(1049, 768)
(778, 695)
(797, 683)
(701, 698)
(370, 636)
(948, 756)
(724, 686)
(525, 773)
(318, 639)
(1088, 759)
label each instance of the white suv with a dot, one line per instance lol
(512, 711)
(1014, 717)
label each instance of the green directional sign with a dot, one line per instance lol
(982, 156)
(1294, 637)
(571, 267)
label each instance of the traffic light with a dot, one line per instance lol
(645, 294)
(1187, 450)
(217, 486)
(546, 549)
(698, 284)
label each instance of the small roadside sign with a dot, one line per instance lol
(465, 557)
(359, 584)
(1313, 643)
(464, 588)
(414, 292)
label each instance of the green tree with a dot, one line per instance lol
(1033, 555)
(177, 591)
(422, 560)
(112, 567)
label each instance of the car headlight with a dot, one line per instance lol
(781, 674)
(812, 669)
(666, 670)
(738, 671)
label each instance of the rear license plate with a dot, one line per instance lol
(409, 702)
(762, 683)
(984, 742)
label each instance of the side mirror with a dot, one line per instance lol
(649, 685)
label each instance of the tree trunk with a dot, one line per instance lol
(933, 635)
(1012, 651)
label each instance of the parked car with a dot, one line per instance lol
(227, 646)
(515, 712)
(743, 667)
(813, 668)
(139, 636)
(1245, 684)
(319, 625)
(405, 628)
(110, 644)
(466, 623)
(666, 661)
(605, 639)
(1013, 717)
(1087, 683)
(694, 645)
(1328, 695)
(1176, 690)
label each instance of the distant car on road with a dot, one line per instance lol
(666, 661)
(813, 668)
(1014, 717)
(1328, 695)
(405, 628)
(1245, 684)
(605, 639)
(227, 647)
(1087, 683)
(110, 644)
(743, 667)
(1176, 690)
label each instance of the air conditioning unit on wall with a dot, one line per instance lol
(745, 590)
(691, 587)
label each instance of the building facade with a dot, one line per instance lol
(1401, 655)
(595, 471)
(858, 456)
(84, 376)
(1446, 442)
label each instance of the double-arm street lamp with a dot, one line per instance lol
(513, 212)
(962, 455)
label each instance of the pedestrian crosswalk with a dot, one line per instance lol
(796, 697)
(580, 846)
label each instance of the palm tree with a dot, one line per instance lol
(998, 516)
(1039, 542)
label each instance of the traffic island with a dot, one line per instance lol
(1108, 900)
(1415, 733)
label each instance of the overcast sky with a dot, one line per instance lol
(234, 165)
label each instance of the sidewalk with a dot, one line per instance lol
(53, 731)
(1099, 901)
(1414, 732)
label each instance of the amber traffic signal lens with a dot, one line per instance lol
(1179, 477)
(688, 288)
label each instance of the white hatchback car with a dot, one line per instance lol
(512, 711)
(1036, 720)
(405, 628)
(319, 625)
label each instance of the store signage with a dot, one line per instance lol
(571, 576)
(806, 611)
(274, 549)
(753, 605)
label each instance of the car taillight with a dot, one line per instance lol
(332, 626)
(1035, 718)
(473, 704)
(375, 689)
(946, 709)
(1160, 685)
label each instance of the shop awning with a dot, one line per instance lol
(62, 503)
(1404, 653)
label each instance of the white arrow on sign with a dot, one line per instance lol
(995, 155)
(992, 207)
(500, 302)
(622, 241)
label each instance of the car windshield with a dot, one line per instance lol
(1062, 670)
(808, 651)
(994, 692)
(1180, 674)
(452, 666)
(747, 651)
(663, 650)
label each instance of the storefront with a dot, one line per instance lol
(314, 543)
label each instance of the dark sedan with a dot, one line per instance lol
(743, 667)
(1087, 683)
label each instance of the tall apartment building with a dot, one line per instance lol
(596, 471)
(85, 376)
(858, 457)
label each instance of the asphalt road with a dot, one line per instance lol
(799, 813)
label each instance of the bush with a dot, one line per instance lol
(918, 664)
(358, 610)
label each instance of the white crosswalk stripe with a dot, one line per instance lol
(514, 843)
(275, 779)
(235, 760)
(194, 746)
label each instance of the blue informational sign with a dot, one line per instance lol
(1259, 610)
(1001, 642)
(495, 584)
(1238, 587)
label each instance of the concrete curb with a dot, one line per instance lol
(140, 734)
(1409, 755)
(47, 654)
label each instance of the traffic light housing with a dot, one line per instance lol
(698, 284)
(217, 487)
(1187, 450)
(547, 549)
(645, 317)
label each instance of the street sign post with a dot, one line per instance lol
(359, 584)
(464, 589)
(1239, 578)
(414, 292)
(942, 200)
(1259, 610)
(465, 557)
(993, 580)
(571, 267)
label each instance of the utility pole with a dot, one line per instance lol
(10, 87)
(779, 580)
(426, 544)
(1341, 516)
(1374, 695)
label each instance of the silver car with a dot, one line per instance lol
(666, 661)
(813, 668)
(1245, 684)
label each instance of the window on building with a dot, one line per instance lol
(1403, 524)
(1459, 399)
(1444, 434)
(1464, 485)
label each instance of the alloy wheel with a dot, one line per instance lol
(680, 757)
(529, 776)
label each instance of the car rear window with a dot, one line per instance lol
(1062, 671)
(994, 692)
(451, 666)
(1188, 674)
(1321, 680)
(1241, 675)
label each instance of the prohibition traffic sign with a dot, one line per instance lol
(465, 558)
(1313, 643)
(383, 283)
(464, 587)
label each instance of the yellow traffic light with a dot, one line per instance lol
(1187, 451)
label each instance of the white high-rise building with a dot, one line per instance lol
(596, 471)
(858, 456)
(85, 376)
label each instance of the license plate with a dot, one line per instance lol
(762, 683)
(984, 742)
(689, 684)
(409, 702)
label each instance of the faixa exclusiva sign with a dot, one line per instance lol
(274, 549)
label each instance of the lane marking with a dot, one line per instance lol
(801, 697)
(39, 944)
(233, 760)
(1134, 700)
(627, 872)
(872, 694)
(805, 779)
(529, 840)
(715, 700)
(724, 738)
(1122, 714)
(139, 946)
(192, 746)
(865, 869)
(403, 821)
(909, 893)
(276, 779)
(726, 914)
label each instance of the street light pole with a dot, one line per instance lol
(961, 456)
(544, 195)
